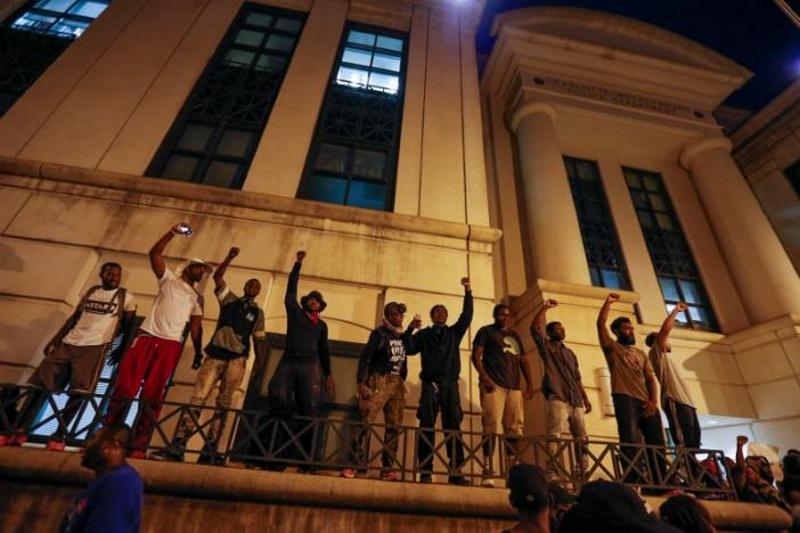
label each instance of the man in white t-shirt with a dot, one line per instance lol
(75, 354)
(156, 349)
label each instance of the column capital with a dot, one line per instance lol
(699, 145)
(526, 109)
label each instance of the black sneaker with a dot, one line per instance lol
(425, 478)
(459, 480)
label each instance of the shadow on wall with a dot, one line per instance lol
(21, 343)
(10, 260)
(716, 372)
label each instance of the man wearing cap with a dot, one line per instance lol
(439, 346)
(530, 496)
(225, 363)
(382, 371)
(296, 386)
(156, 349)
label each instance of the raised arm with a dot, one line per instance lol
(539, 324)
(156, 257)
(602, 319)
(219, 273)
(666, 327)
(465, 319)
(740, 476)
(294, 277)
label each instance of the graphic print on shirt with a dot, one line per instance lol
(511, 346)
(99, 307)
(397, 354)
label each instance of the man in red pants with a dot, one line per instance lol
(156, 349)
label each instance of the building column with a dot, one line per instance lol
(764, 275)
(555, 236)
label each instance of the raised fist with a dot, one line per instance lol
(551, 303)
(301, 255)
(681, 307)
(233, 252)
(465, 282)
(612, 297)
(741, 440)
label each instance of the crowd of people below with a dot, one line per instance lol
(74, 357)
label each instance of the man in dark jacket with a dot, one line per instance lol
(441, 369)
(382, 371)
(296, 386)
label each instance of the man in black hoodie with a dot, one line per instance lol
(296, 386)
(382, 371)
(441, 369)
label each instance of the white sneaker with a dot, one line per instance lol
(486, 480)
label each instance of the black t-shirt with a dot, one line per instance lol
(501, 355)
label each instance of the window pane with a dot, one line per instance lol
(364, 194)
(249, 37)
(384, 82)
(54, 5)
(639, 199)
(89, 8)
(699, 314)
(359, 57)
(645, 219)
(220, 174)
(585, 171)
(360, 37)
(34, 21)
(369, 164)
(259, 19)
(650, 183)
(290, 25)
(611, 279)
(280, 42)
(597, 281)
(633, 179)
(669, 289)
(664, 221)
(691, 293)
(332, 158)
(270, 63)
(239, 58)
(180, 167)
(390, 43)
(70, 27)
(657, 202)
(326, 189)
(351, 76)
(680, 318)
(386, 62)
(195, 137)
(234, 143)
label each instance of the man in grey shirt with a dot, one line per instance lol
(675, 399)
(561, 385)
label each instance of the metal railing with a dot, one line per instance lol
(263, 440)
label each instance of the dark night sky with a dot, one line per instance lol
(754, 33)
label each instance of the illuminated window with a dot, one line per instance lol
(672, 259)
(215, 136)
(600, 241)
(33, 38)
(353, 158)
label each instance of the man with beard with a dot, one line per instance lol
(225, 363)
(75, 354)
(156, 349)
(634, 388)
(113, 501)
(439, 345)
(675, 399)
(567, 401)
(501, 364)
(382, 371)
(296, 386)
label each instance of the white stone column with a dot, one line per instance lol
(555, 237)
(763, 273)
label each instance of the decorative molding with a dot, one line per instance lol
(530, 108)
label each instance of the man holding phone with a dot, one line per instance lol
(439, 345)
(155, 351)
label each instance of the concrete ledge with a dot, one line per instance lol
(132, 185)
(37, 468)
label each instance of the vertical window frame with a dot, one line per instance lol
(222, 122)
(682, 265)
(611, 239)
(352, 144)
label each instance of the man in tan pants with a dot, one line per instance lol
(498, 357)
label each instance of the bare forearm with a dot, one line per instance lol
(219, 273)
(477, 360)
(197, 336)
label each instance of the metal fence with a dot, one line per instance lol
(260, 439)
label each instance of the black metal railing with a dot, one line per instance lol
(263, 440)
